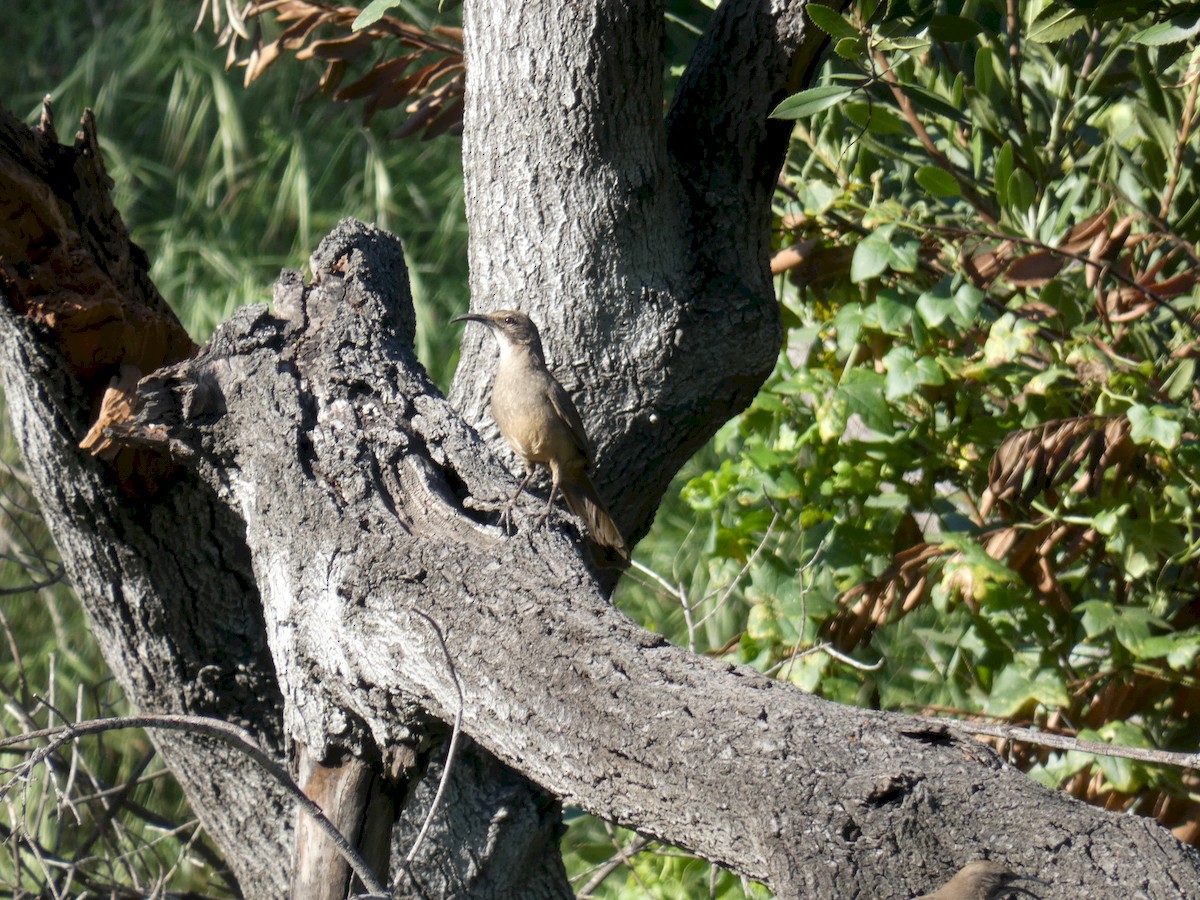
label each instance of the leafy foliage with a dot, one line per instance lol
(971, 485)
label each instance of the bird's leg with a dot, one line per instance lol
(545, 516)
(506, 521)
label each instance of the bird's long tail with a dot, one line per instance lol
(583, 500)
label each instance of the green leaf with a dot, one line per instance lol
(953, 28)
(1152, 425)
(850, 47)
(862, 391)
(818, 197)
(811, 102)
(1123, 774)
(1008, 339)
(833, 414)
(1056, 24)
(1022, 192)
(1097, 617)
(928, 100)
(907, 372)
(848, 324)
(1004, 170)
(938, 182)
(872, 255)
(1180, 382)
(1132, 627)
(373, 12)
(831, 21)
(961, 307)
(893, 312)
(1172, 31)
(762, 624)
(1017, 687)
(875, 117)
(985, 76)
(905, 255)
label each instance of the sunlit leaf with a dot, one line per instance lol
(872, 255)
(1172, 31)
(812, 101)
(1153, 425)
(830, 21)
(1056, 24)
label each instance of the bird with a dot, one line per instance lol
(539, 421)
(981, 880)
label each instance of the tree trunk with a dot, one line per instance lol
(386, 581)
(335, 511)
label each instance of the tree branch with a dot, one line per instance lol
(748, 772)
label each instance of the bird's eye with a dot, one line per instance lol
(509, 320)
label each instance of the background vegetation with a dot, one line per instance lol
(969, 488)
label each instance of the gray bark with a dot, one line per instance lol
(638, 245)
(352, 508)
(166, 578)
(167, 585)
(385, 581)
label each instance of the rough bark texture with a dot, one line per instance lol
(167, 584)
(638, 245)
(338, 512)
(384, 584)
(162, 566)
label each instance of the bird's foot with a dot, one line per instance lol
(506, 522)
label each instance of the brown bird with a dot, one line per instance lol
(980, 880)
(539, 421)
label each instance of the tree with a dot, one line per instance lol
(313, 558)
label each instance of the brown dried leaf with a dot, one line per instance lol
(868, 606)
(790, 257)
(378, 79)
(332, 76)
(1034, 269)
(343, 48)
(293, 37)
(1182, 283)
(259, 61)
(983, 266)
(1080, 236)
(449, 121)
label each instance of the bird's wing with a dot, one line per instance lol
(565, 408)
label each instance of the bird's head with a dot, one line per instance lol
(512, 328)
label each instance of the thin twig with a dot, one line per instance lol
(225, 731)
(450, 751)
(625, 857)
(1185, 130)
(635, 846)
(936, 156)
(729, 589)
(800, 575)
(1066, 742)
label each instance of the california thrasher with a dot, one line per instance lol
(539, 421)
(981, 880)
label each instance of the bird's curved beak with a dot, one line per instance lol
(472, 317)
